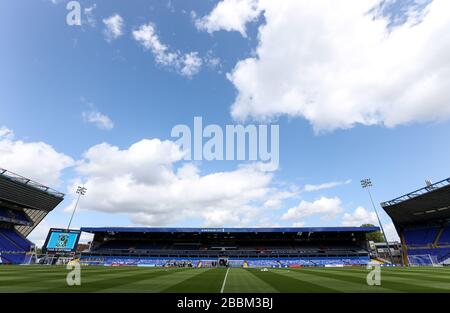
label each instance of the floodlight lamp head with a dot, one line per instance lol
(365, 183)
(81, 190)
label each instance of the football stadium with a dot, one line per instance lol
(219, 155)
(222, 260)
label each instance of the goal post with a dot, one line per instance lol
(423, 260)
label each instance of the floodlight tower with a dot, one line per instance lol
(366, 184)
(81, 191)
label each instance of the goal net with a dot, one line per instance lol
(423, 260)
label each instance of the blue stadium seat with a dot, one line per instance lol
(260, 262)
(420, 237)
(445, 237)
(13, 247)
(14, 216)
(434, 255)
(4, 213)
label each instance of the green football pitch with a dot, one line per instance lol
(35, 278)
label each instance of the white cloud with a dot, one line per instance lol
(217, 218)
(341, 63)
(230, 15)
(391, 232)
(213, 62)
(35, 160)
(191, 64)
(170, 6)
(39, 234)
(328, 208)
(113, 27)
(6, 133)
(148, 182)
(187, 64)
(89, 15)
(147, 37)
(86, 237)
(277, 198)
(358, 217)
(100, 120)
(362, 216)
(311, 188)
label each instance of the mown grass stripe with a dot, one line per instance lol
(430, 277)
(437, 275)
(210, 281)
(359, 279)
(156, 284)
(289, 284)
(243, 280)
(356, 285)
(138, 279)
(395, 283)
(117, 281)
(434, 273)
(422, 285)
(60, 275)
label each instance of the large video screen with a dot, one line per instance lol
(62, 240)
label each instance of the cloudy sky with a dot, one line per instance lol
(359, 88)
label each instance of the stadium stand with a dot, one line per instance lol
(23, 205)
(420, 237)
(14, 216)
(205, 262)
(235, 247)
(422, 220)
(444, 239)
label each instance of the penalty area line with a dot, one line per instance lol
(224, 281)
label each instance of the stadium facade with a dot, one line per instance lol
(23, 205)
(229, 247)
(422, 220)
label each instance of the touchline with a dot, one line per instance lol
(237, 142)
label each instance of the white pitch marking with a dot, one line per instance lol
(224, 281)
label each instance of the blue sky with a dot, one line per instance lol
(393, 129)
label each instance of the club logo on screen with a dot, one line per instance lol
(63, 239)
